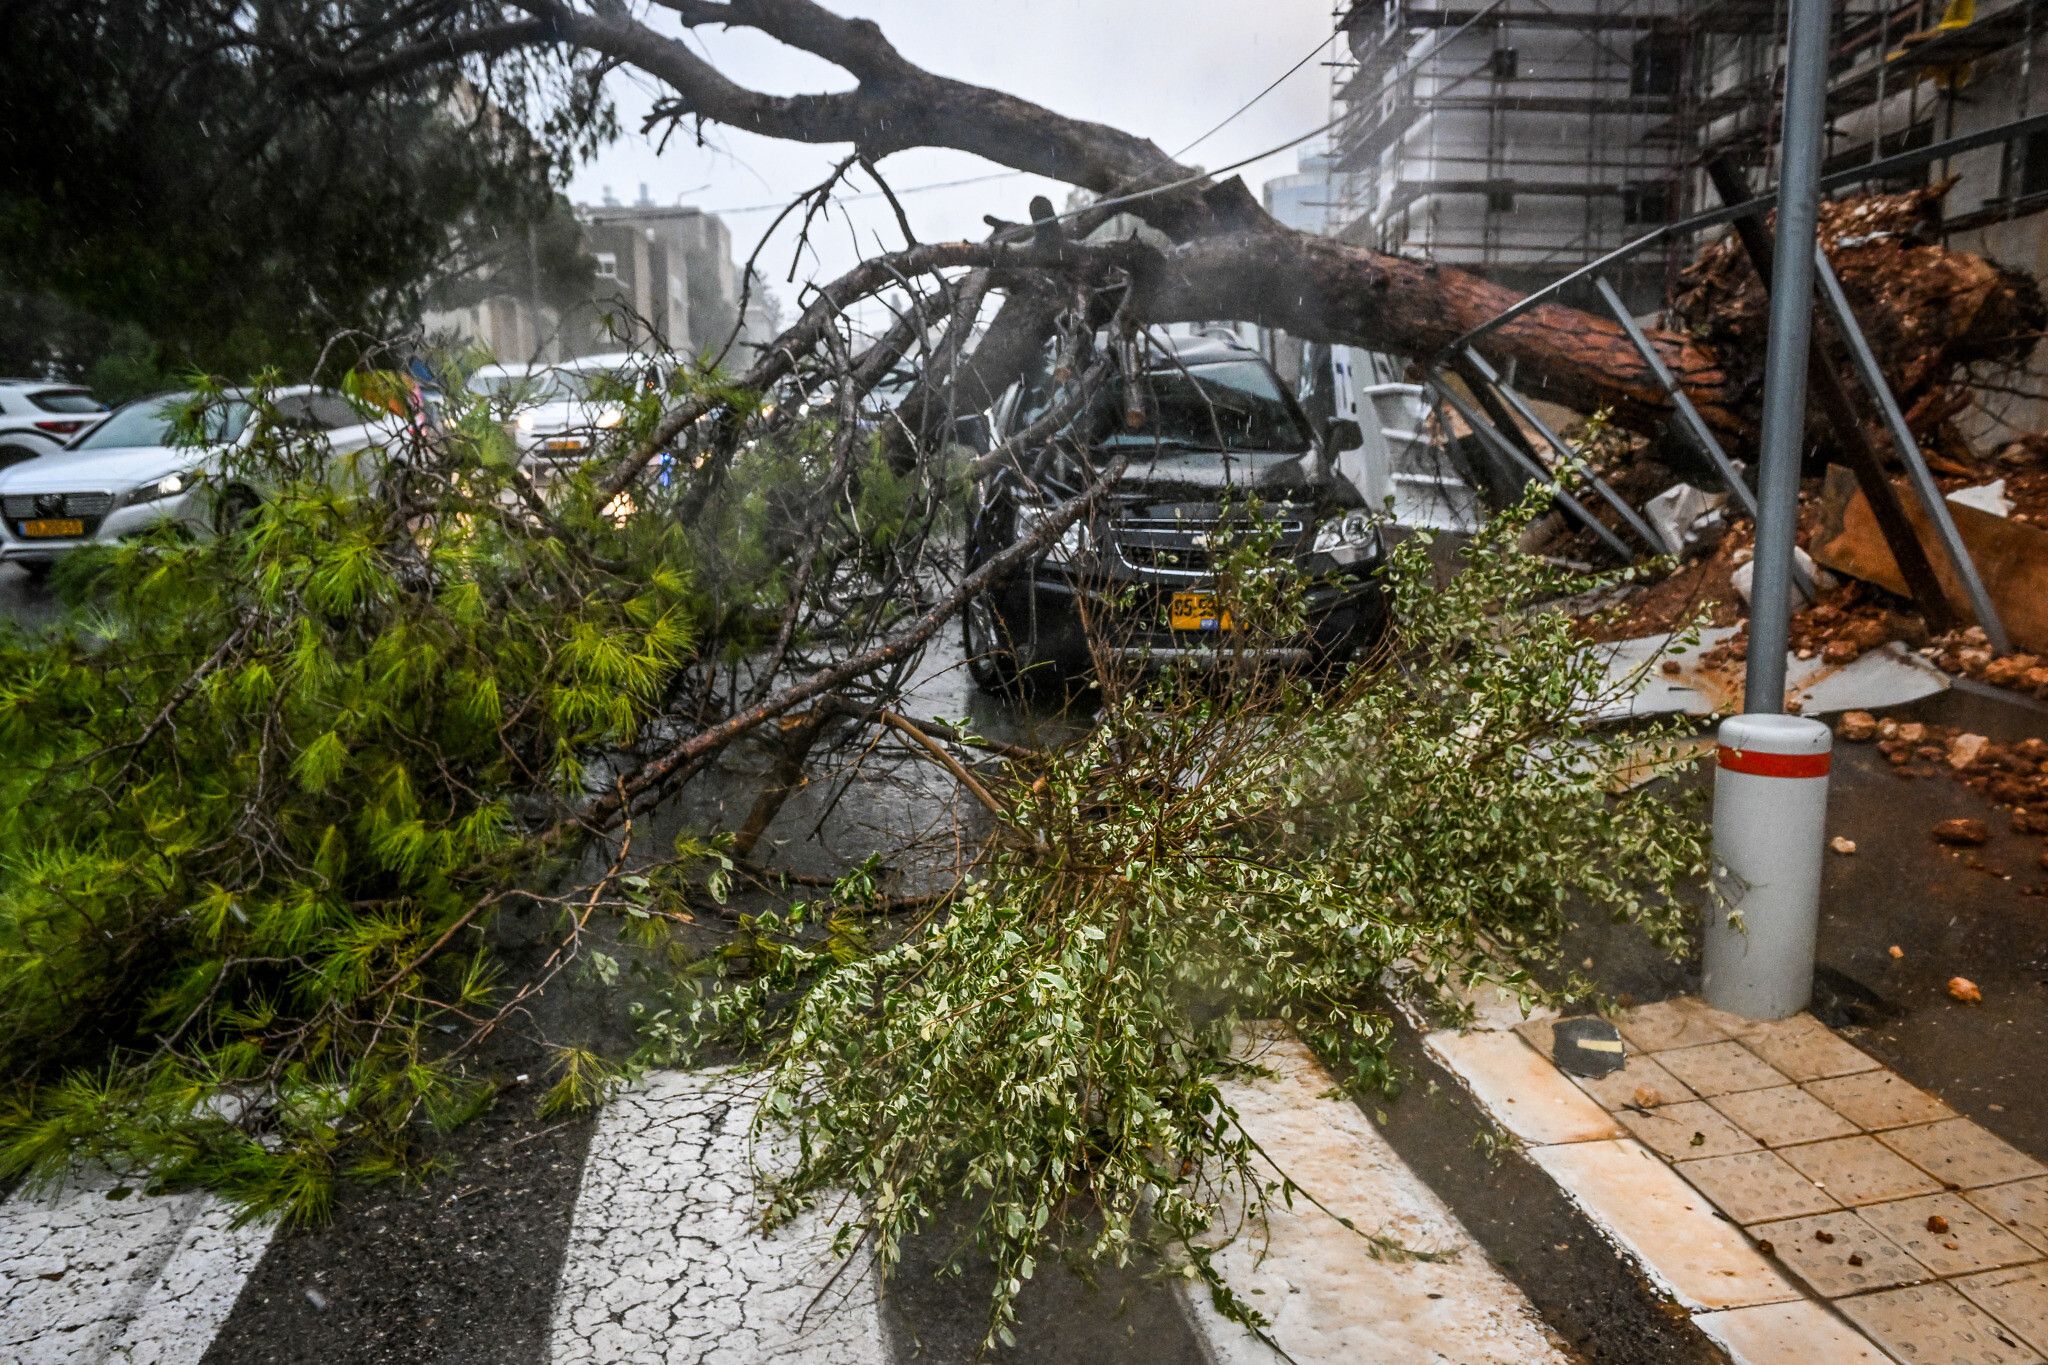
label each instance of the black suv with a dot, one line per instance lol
(1217, 449)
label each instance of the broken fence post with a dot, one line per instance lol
(1770, 820)
(1572, 459)
(1921, 477)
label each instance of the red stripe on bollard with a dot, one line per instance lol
(1760, 764)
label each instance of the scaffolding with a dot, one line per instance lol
(1522, 138)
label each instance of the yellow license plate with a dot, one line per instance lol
(565, 443)
(1196, 611)
(48, 527)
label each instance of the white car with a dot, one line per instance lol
(552, 411)
(131, 473)
(38, 417)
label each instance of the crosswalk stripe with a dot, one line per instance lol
(100, 1272)
(667, 1263)
(1329, 1296)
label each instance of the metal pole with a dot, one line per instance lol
(1507, 450)
(1571, 457)
(1784, 424)
(1689, 419)
(1931, 500)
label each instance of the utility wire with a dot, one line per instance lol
(1276, 83)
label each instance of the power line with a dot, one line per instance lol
(1276, 83)
(876, 194)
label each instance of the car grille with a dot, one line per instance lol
(1177, 545)
(21, 506)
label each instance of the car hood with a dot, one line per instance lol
(1267, 471)
(563, 416)
(113, 470)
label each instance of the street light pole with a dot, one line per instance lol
(1784, 425)
(1771, 778)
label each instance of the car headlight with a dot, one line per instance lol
(169, 485)
(525, 424)
(610, 418)
(1351, 538)
(1074, 542)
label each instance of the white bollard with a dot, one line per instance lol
(1770, 821)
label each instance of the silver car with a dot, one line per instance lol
(554, 413)
(132, 473)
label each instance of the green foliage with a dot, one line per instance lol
(265, 797)
(1048, 1051)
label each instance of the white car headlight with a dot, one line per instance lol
(525, 424)
(170, 485)
(1350, 538)
(610, 418)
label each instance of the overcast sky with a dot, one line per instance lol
(1166, 69)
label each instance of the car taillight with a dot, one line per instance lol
(56, 428)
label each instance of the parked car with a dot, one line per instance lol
(38, 417)
(556, 413)
(1217, 445)
(133, 472)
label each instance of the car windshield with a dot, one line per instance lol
(1221, 405)
(542, 386)
(155, 422)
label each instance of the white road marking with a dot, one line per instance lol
(667, 1263)
(85, 1278)
(1329, 1297)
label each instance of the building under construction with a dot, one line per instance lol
(1522, 138)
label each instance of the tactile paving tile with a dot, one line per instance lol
(1973, 1240)
(1756, 1187)
(1720, 1068)
(1858, 1170)
(1667, 1024)
(1804, 1048)
(1686, 1132)
(1878, 1099)
(1782, 1116)
(2021, 1207)
(1826, 1265)
(1959, 1153)
(1932, 1324)
(2017, 1297)
(1639, 1075)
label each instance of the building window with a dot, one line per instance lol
(1655, 67)
(1500, 201)
(607, 265)
(1646, 203)
(1505, 63)
(2033, 166)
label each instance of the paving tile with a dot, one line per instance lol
(1932, 1324)
(1682, 1022)
(1782, 1116)
(1825, 1265)
(1523, 1092)
(1640, 1076)
(2017, 1297)
(1536, 1033)
(1720, 1068)
(1756, 1187)
(1973, 1239)
(1804, 1048)
(1961, 1154)
(1878, 1099)
(1686, 1132)
(1859, 1170)
(1682, 1244)
(2021, 1206)
(1803, 1333)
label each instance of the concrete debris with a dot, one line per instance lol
(1964, 749)
(1842, 846)
(1681, 514)
(1963, 832)
(1857, 726)
(1986, 497)
(1896, 952)
(1745, 574)
(1965, 990)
